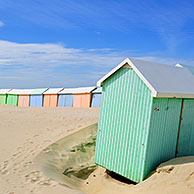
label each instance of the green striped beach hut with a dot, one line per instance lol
(146, 117)
(3, 95)
(12, 97)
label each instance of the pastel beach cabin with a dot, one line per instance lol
(24, 97)
(96, 97)
(82, 97)
(146, 117)
(12, 97)
(66, 97)
(51, 97)
(36, 97)
(3, 95)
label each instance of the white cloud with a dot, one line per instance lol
(54, 65)
(51, 55)
(1, 24)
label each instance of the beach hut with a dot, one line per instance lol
(146, 117)
(36, 97)
(66, 97)
(24, 97)
(96, 97)
(12, 97)
(51, 97)
(82, 97)
(3, 95)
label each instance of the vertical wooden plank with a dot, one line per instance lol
(46, 102)
(61, 100)
(163, 132)
(2, 98)
(53, 100)
(180, 121)
(69, 100)
(186, 137)
(85, 100)
(76, 100)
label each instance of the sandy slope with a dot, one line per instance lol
(24, 133)
(173, 177)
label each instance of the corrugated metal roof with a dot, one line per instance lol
(4, 91)
(163, 80)
(97, 91)
(77, 90)
(53, 91)
(39, 91)
(20, 91)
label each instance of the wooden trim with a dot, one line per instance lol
(181, 117)
(127, 66)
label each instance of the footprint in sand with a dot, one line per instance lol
(19, 148)
(16, 170)
(4, 172)
(27, 164)
(191, 176)
(47, 150)
(4, 168)
(36, 177)
(46, 182)
(36, 135)
(16, 154)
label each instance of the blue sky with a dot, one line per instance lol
(72, 43)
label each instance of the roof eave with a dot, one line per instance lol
(100, 82)
(173, 95)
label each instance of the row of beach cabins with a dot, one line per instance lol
(52, 97)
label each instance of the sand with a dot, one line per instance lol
(38, 145)
(25, 132)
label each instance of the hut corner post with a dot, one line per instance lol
(176, 152)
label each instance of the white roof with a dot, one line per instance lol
(4, 91)
(97, 91)
(39, 91)
(81, 90)
(20, 91)
(163, 80)
(53, 91)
